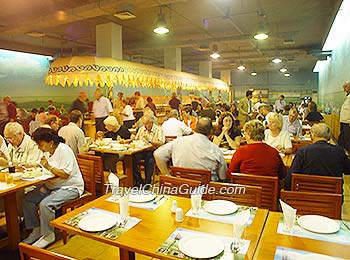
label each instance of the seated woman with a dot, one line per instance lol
(275, 136)
(313, 115)
(227, 135)
(115, 131)
(58, 159)
(256, 157)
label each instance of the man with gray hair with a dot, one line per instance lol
(174, 127)
(194, 151)
(320, 157)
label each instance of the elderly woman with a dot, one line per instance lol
(275, 136)
(227, 135)
(58, 159)
(114, 129)
(256, 157)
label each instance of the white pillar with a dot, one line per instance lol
(172, 58)
(225, 75)
(205, 69)
(109, 41)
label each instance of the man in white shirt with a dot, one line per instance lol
(344, 136)
(101, 108)
(291, 123)
(73, 135)
(280, 104)
(139, 106)
(175, 127)
(194, 151)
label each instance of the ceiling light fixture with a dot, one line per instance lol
(35, 34)
(241, 67)
(276, 60)
(215, 54)
(161, 25)
(283, 70)
(261, 33)
(254, 73)
(286, 74)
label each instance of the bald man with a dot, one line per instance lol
(320, 157)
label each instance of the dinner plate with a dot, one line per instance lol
(201, 246)
(220, 207)
(318, 224)
(315, 256)
(140, 198)
(97, 222)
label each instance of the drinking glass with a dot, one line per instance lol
(196, 200)
(9, 178)
(124, 207)
(289, 220)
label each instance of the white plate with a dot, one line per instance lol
(220, 207)
(97, 222)
(318, 224)
(201, 246)
(140, 198)
(315, 256)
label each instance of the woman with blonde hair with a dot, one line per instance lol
(275, 136)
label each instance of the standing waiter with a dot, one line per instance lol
(344, 136)
(101, 108)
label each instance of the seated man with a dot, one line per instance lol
(291, 123)
(194, 151)
(320, 157)
(174, 127)
(153, 134)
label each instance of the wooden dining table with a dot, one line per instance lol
(128, 159)
(11, 212)
(157, 225)
(271, 239)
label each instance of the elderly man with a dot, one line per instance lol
(344, 136)
(73, 135)
(102, 107)
(153, 134)
(291, 123)
(194, 151)
(22, 149)
(320, 157)
(79, 103)
(175, 127)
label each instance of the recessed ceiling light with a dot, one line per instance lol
(241, 67)
(261, 36)
(276, 60)
(215, 55)
(253, 73)
(283, 70)
(286, 74)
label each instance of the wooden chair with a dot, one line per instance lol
(28, 252)
(269, 185)
(167, 184)
(204, 176)
(239, 194)
(87, 169)
(325, 204)
(317, 183)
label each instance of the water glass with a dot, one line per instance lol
(196, 201)
(124, 207)
(289, 220)
(9, 178)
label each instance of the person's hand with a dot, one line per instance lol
(225, 130)
(132, 137)
(99, 135)
(44, 162)
(280, 148)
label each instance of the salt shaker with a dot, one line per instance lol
(179, 215)
(173, 206)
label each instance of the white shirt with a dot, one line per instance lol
(194, 151)
(73, 136)
(279, 105)
(129, 113)
(102, 107)
(282, 139)
(345, 110)
(294, 128)
(174, 127)
(140, 103)
(64, 159)
(26, 152)
(155, 135)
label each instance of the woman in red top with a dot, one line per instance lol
(256, 157)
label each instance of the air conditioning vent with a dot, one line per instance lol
(125, 15)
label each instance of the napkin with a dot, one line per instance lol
(242, 217)
(287, 209)
(113, 181)
(289, 214)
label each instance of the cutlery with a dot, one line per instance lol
(235, 248)
(345, 224)
(177, 238)
(158, 199)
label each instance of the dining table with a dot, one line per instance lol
(10, 205)
(128, 150)
(157, 225)
(271, 241)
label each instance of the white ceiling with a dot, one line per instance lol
(69, 29)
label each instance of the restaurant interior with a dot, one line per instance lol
(126, 105)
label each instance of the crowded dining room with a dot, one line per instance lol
(175, 129)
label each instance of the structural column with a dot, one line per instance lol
(172, 58)
(225, 75)
(109, 41)
(205, 69)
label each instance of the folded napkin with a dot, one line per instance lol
(242, 218)
(287, 209)
(113, 181)
(289, 215)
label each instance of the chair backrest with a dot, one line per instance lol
(99, 177)
(27, 252)
(240, 194)
(87, 169)
(204, 176)
(269, 185)
(168, 183)
(325, 204)
(317, 183)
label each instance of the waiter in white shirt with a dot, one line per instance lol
(101, 108)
